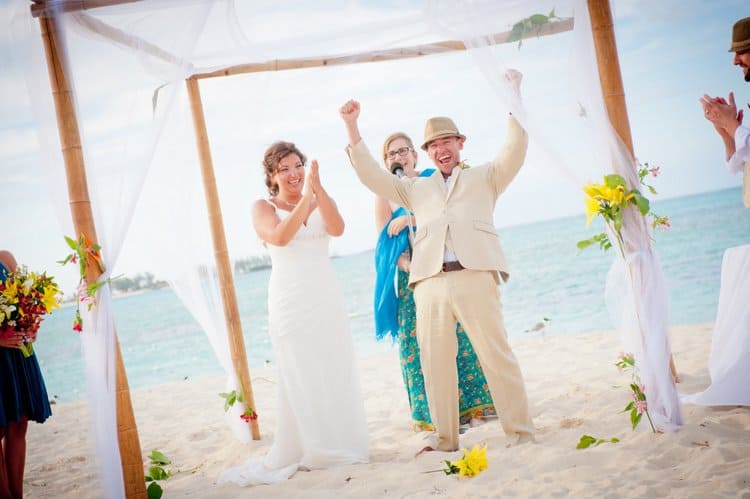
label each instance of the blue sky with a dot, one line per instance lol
(671, 53)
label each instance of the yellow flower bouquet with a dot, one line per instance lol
(25, 298)
(610, 199)
(473, 462)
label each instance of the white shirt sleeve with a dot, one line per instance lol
(742, 150)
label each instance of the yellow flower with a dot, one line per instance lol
(592, 190)
(50, 298)
(11, 291)
(613, 196)
(473, 462)
(592, 209)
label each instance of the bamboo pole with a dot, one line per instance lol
(379, 56)
(83, 220)
(221, 254)
(602, 27)
(41, 8)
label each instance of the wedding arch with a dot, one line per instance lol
(116, 69)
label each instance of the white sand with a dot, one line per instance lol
(573, 390)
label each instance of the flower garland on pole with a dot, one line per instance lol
(83, 251)
(609, 200)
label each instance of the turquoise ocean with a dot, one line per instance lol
(162, 343)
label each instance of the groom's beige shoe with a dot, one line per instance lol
(520, 439)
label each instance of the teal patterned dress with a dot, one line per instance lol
(474, 399)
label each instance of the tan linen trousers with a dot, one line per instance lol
(472, 298)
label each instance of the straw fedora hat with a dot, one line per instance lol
(741, 35)
(438, 127)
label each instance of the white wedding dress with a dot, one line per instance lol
(320, 411)
(729, 363)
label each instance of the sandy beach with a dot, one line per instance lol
(574, 389)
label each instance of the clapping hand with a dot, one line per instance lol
(312, 182)
(722, 113)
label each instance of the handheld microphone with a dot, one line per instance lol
(397, 169)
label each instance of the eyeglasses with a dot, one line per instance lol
(402, 151)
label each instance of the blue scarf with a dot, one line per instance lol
(387, 252)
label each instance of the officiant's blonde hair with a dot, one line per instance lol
(391, 138)
(271, 158)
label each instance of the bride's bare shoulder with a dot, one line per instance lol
(264, 205)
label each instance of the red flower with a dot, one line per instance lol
(77, 324)
(249, 415)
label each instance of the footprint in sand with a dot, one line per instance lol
(570, 422)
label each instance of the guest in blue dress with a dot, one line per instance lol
(23, 398)
(395, 314)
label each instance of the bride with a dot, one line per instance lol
(321, 419)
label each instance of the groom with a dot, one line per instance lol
(456, 266)
(725, 117)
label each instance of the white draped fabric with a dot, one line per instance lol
(128, 64)
(119, 131)
(729, 362)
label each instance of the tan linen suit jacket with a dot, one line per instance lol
(462, 212)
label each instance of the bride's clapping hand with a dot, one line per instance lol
(313, 178)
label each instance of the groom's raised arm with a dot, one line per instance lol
(508, 162)
(375, 178)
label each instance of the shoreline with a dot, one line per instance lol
(384, 349)
(573, 388)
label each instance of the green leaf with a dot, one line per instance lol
(651, 190)
(641, 202)
(629, 407)
(613, 180)
(66, 260)
(516, 33)
(71, 243)
(538, 19)
(158, 473)
(154, 491)
(585, 442)
(450, 468)
(158, 457)
(581, 245)
(635, 418)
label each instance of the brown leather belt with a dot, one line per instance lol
(451, 266)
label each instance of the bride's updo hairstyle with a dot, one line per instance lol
(273, 155)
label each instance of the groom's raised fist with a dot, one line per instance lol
(349, 111)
